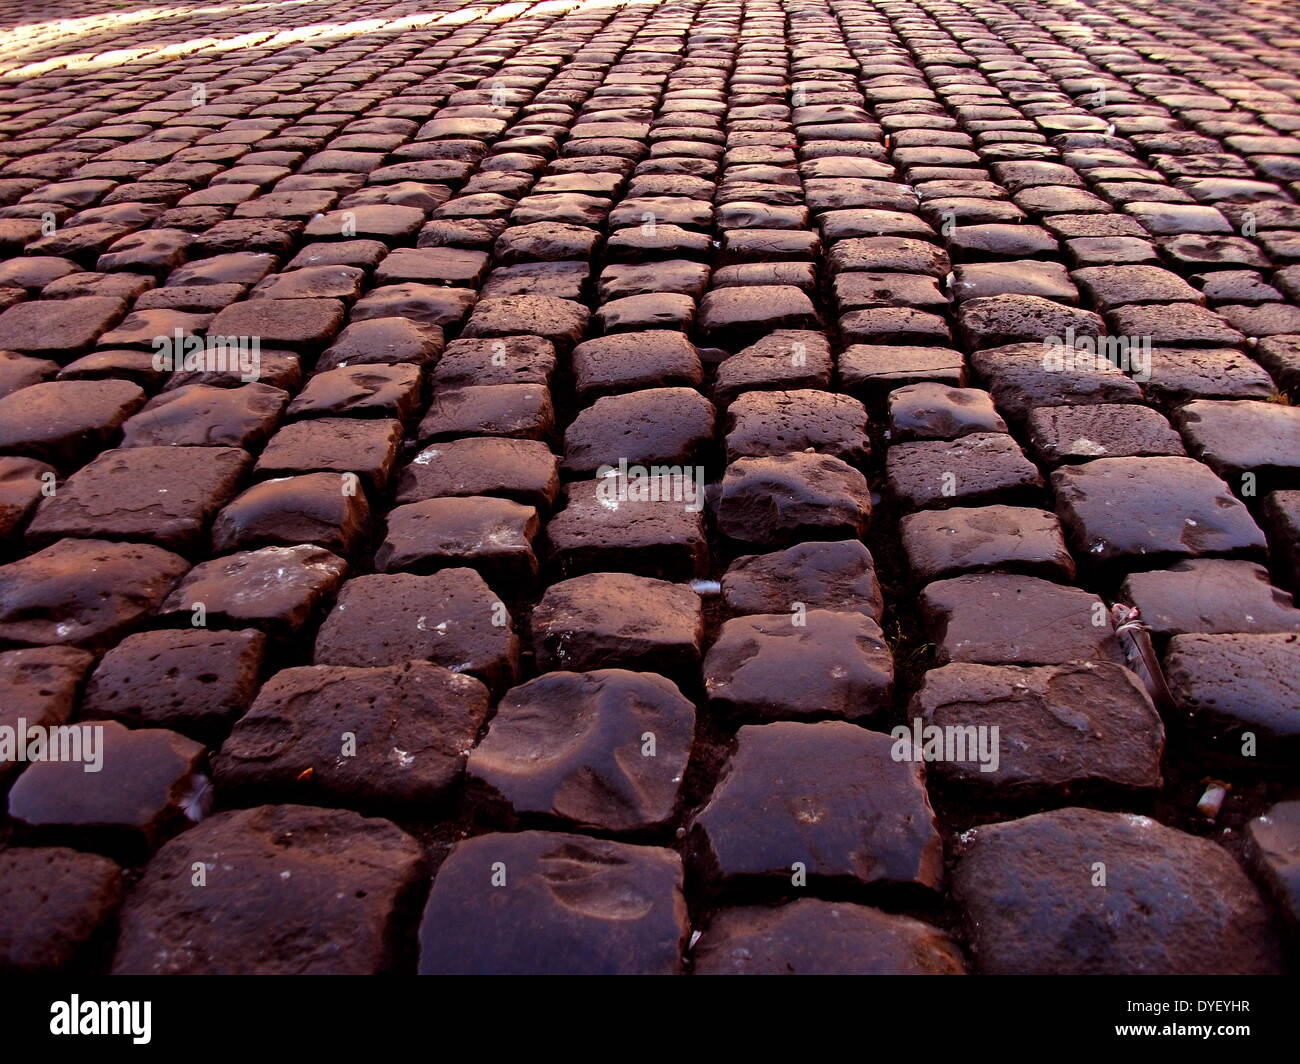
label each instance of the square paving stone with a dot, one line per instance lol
(1237, 684)
(1140, 511)
(775, 500)
(288, 890)
(1180, 374)
(826, 799)
(783, 360)
(550, 241)
(63, 328)
(1007, 619)
(1253, 446)
(838, 575)
(1024, 377)
(656, 310)
(769, 423)
(997, 321)
(324, 509)
(128, 791)
(312, 282)
(871, 372)
(56, 908)
(360, 391)
(604, 750)
(656, 426)
(521, 411)
(933, 411)
(449, 266)
(1174, 325)
(813, 937)
(563, 280)
(680, 276)
(363, 447)
(1083, 728)
(1174, 904)
(1048, 280)
(888, 254)
(38, 689)
(199, 415)
(195, 681)
(1060, 434)
(419, 304)
(391, 223)
(633, 360)
(801, 664)
(1210, 596)
(296, 324)
(388, 737)
(1014, 539)
(523, 470)
(562, 321)
(160, 495)
(277, 589)
(83, 592)
(493, 536)
(66, 423)
(734, 317)
(649, 525)
(1108, 287)
(856, 291)
(451, 618)
(507, 360)
(568, 904)
(978, 469)
(618, 620)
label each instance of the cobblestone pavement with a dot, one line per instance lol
(642, 487)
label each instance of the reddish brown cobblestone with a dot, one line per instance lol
(645, 486)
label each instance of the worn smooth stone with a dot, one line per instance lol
(523, 470)
(316, 508)
(802, 664)
(573, 747)
(149, 784)
(1014, 539)
(1273, 850)
(493, 536)
(776, 500)
(1210, 596)
(1119, 511)
(1060, 434)
(160, 495)
(572, 905)
(87, 592)
(38, 685)
(1006, 619)
(838, 575)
